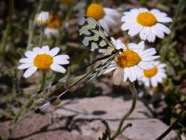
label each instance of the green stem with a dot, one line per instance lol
(32, 25)
(41, 36)
(61, 36)
(5, 36)
(30, 35)
(43, 80)
(180, 117)
(134, 98)
(20, 115)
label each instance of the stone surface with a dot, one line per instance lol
(41, 127)
(80, 119)
(111, 109)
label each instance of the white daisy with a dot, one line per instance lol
(146, 23)
(130, 63)
(43, 18)
(52, 30)
(107, 17)
(43, 58)
(155, 75)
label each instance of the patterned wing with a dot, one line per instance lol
(94, 36)
(100, 69)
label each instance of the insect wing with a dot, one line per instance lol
(94, 36)
(100, 69)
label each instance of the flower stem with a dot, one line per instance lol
(180, 117)
(41, 36)
(43, 79)
(32, 25)
(5, 35)
(134, 98)
(62, 30)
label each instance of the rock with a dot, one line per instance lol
(80, 119)
(87, 114)
(41, 127)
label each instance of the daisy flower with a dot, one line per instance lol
(154, 75)
(43, 58)
(52, 28)
(107, 17)
(129, 63)
(43, 18)
(148, 24)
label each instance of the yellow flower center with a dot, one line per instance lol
(42, 22)
(95, 11)
(55, 22)
(43, 61)
(146, 19)
(150, 73)
(128, 58)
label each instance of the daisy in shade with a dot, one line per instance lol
(148, 24)
(155, 75)
(43, 18)
(44, 59)
(52, 29)
(107, 17)
(129, 63)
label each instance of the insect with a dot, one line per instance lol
(94, 37)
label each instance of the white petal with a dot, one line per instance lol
(154, 83)
(135, 30)
(127, 19)
(164, 19)
(145, 65)
(29, 72)
(154, 11)
(164, 28)
(144, 33)
(148, 52)
(36, 50)
(162, 65)
(147, 82)
(30, 54)
(54, 51)
(61, 59)
(135, 11)
(139, 71)
(126, 75)
(25, 66)
(150, 58)
(132, 74)
(118, 76)
(104, 24)
(58, 68)
(112, 12)
(110, 68)
(151, 37)
(45, 49)
(63, 56)
(143, 10)
(110, 21)
(157, 31)
(125, 26)
(26, 60)
(141, 45)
